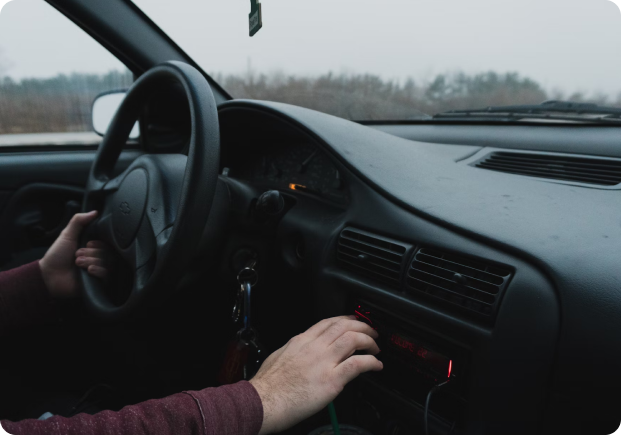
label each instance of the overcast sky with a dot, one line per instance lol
(572, 45)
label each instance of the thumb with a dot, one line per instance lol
(77, 224)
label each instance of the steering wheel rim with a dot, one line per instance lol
(154, 213)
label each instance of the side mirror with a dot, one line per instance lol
(104, 109)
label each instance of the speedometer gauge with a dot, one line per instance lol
(300, 164)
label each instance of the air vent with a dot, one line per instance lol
(590, 170)
(371, 255)
(472, 285)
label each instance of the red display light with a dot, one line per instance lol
(422, 356)
(408, 345)
(362, 317)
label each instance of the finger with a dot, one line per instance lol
(91, 252)
(318, 328)
(340, 327)
(85, 262)
(98, 244)
(77, 224)
(350, 342)
(355, 365)
(98, 271)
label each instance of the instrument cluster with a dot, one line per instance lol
(295, 167)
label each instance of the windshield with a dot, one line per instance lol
(402, 59)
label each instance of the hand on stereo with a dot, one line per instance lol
(307, 373)
(58, 265)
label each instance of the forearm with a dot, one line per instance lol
(24, 299)
(232, 409)
(176, 414)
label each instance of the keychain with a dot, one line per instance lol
(244, 354)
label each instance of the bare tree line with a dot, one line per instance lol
(63, 103)
(369, 97)
(58, 104)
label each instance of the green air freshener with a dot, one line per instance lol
(255, 18)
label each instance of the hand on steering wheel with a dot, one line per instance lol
(57, 266)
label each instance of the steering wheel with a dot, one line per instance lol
(154, 213)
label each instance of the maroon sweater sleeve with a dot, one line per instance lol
(24, 299)
(229, 410)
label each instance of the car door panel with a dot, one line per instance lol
(62, 167)
(39, 192)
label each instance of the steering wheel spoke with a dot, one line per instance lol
(102, 229)
(144, 245)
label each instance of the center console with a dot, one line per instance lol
(393, 401)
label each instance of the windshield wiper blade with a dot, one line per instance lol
(582, 112)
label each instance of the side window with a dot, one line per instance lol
(50, 73)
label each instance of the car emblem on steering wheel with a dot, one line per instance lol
(124, 207)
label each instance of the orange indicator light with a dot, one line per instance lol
(296, 187)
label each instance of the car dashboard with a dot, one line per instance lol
(502, 282)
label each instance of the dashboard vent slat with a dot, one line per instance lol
(371, 255)
(470, 284)
(590, 170)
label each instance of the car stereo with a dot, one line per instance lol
(430, 362)
(410, 351)
(414, 361)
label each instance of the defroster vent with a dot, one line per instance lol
(589, 170)
(372, 255)
(470, 284)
